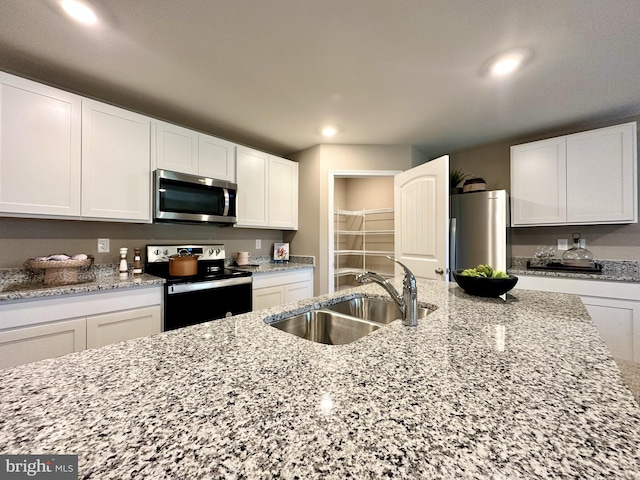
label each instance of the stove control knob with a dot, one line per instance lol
(166, 251)
(156, 251)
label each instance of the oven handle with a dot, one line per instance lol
(196, 286)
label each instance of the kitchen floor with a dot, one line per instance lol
(631, 375)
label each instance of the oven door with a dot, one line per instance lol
(191, 303)
(190, 198)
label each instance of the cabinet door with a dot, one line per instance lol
(268, 297)
(176, 148)
(618, 322)
(295, 292)
(30, 344)
(252, 167)
(120, 326)
(116, 167)
(601, 175)
(39, 149)
(216, 158)
(538, 183)
(283, 194)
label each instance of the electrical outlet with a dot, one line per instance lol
(562, 244)
(258, 243)
(103, 245)
(583, 243)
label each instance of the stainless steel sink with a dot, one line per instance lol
(373, 309)
(322, 326)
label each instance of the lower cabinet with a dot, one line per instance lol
(618, 322)
(120, 326)
(30, 344)
(45, 328)
(614, 307)
(278, 288)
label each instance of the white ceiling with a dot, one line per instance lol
(270, 73)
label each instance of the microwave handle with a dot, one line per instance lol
(226, 201)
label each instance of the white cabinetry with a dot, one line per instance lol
(584, 178)
(115, 163)
(116, 327)
(183, 150)
(613, 306)
(40, 131)
(36, 329)
(30, 344)
(267, 190)
(278, 288)
(64, 156)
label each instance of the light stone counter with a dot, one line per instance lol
(480, 389)
(17, 284)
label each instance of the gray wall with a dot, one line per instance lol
(22, 239)
(491, 162)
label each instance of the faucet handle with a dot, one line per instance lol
(407, 272)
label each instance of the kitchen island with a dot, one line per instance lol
(480, 389)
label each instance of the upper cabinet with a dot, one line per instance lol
(40, 131)
(64, 156)
(267, 190)
(116, 163)
(579, 179)
(183, 150)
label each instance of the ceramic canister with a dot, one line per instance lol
(243, 258)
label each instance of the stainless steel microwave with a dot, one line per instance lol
(180, 197)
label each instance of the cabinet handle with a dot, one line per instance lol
(439, 271)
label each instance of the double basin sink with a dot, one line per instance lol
(344, 322)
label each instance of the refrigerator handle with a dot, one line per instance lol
(453, 261)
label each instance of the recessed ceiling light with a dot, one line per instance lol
(79, 11)
(508, 62)
(329, 131)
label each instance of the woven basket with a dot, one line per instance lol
(59, 272)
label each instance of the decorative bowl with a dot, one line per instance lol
(484, 287)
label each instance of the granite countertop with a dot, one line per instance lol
(265, 264)
(18, 284)
(481, 389)
(612, 270)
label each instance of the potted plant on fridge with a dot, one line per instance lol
(455, 178)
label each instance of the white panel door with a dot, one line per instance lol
(421, 202)
(116, 163)
(283, 194)
(39, 149)
(538, 183)
(601, 174)
(216, 158)
(176, 148)
(252, 170)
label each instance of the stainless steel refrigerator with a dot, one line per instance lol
(480, 230)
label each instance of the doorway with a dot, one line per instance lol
(361, 225)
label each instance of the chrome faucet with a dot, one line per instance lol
(408, 302)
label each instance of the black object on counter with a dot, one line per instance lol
(560, 267)
(483, 286)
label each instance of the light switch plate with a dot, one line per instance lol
(562, 244)
(258, 243)
(103, 245)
